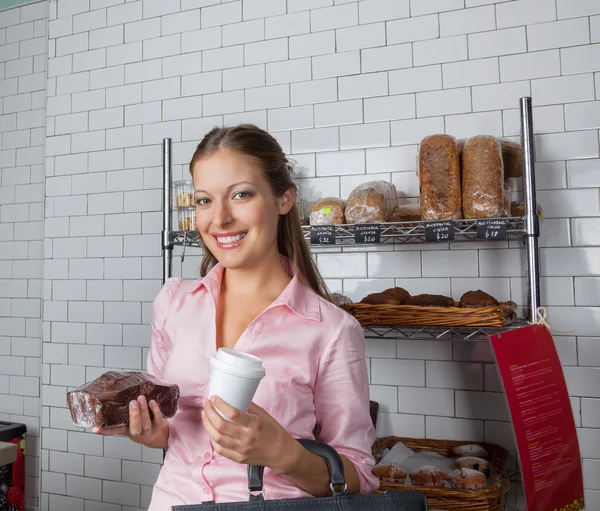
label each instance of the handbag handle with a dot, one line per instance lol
(335, 465)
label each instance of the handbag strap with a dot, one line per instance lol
(335, 465)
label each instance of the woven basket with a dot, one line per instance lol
(489, 498)
(416, 315)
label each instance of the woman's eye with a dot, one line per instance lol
(242, 195)
(202, 202)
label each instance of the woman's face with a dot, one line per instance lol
(237, 213)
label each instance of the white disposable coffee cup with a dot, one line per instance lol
(234, 377)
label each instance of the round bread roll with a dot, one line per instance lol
(473, 463)
(381, 299)
(401, 294)
(426, 300)
(389, 471)
(474, 299)
(428, 475)
(467, 479)
(328, 211)
(470, 450)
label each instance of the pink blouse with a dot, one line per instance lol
(313, 353)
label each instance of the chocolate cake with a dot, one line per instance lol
(104, 402)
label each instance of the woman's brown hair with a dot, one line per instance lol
(266, 152)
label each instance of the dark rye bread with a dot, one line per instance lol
(104, 402)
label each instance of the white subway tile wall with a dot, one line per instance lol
(349, 88)
(23, 59)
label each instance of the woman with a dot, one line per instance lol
(260, 293)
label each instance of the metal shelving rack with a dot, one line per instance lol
(526, 228)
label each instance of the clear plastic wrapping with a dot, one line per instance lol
(439, 178)
(506, 197)
(518, 209)
(482, 178)
(328, 211)
(104, 402)
(512, 156)
(184, 194)
(406, 213)
(371, 203)
(186, 219)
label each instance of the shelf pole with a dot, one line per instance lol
(532, 223)
(167, 247)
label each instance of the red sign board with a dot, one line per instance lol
(542, 418)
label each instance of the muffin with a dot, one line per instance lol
(470, 450)
(467, 479)
(477, 298)
(381, 299)
(472, 462)
(428, 475)
(426, 300)
(401, 294)
(389, 471)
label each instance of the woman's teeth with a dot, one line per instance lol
(230, 239)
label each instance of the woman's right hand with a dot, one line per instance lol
(141, 429)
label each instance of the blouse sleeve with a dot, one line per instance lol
(342, 401)
(159, 351)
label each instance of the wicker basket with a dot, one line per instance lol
(416, 315)
(489, 498)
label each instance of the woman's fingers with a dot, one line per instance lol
(226, 409)
(118, 431)
(135, 419)
(219, 440)
(144, 414)
(159, 419)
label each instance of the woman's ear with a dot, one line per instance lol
(287, 200)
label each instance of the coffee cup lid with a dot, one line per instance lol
(239, 362)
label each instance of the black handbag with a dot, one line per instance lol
(340, 501)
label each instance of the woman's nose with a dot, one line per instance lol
(222, 214)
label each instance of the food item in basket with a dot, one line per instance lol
(428, 475)
(518, 209)
(512, 157)
(104, 402)
(439, 176)
(328, 211)
(371, 202)
(401, 294)
(482, 178)
(473, 462)
(426, 300)
(406, 213)
(381, 299)
(479, 298)
(467, 479)
(341, 300)
(470, 450)
(389, 471)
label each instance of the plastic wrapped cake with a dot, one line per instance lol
(104, 402)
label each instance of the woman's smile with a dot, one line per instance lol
(229, 240)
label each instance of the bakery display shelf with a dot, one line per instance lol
(390, 233)
(438, 333)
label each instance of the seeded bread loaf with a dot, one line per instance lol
(482, 178)
(439, 177)
(406, 213)
(328, 211)
(371, 202)
(512, 156)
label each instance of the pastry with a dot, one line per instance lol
(406, 213)
(381, 299)
(104, 402)
(512, 157)
(467, 479)
(328, 211)
(426, 300)
(439, 177)
(473, 463)
(482, 178)
(473, 299)
(428, 476)
(371, 202)
(389, 471)
(470, 450)
(399, 293)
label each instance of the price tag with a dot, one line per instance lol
(439, 232)
(367, 233)
(322, 234)
(492, 229)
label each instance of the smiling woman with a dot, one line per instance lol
(262, 294)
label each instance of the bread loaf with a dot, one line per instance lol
(512, 156)
(328, 211)
(482, 178)
(371, 202)
(406, 213)
(439, 176)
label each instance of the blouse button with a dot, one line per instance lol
(207, 490)
(206, 455)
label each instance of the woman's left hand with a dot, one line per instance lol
(252, 438)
